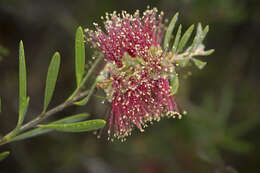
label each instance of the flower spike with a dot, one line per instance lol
(138, 72)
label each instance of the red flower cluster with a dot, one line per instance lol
(128, 34)
(136, 74)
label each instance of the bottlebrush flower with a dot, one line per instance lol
(136, 75)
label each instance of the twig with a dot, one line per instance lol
(39, 118)
(76, 96)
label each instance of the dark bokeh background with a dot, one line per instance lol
(221, 132)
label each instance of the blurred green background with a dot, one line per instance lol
(221, 132)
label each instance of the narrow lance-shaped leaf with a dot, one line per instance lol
(170, 30)
(22, 85)
(51, 79)
(3, 155)
(23, 113)
(39, 131)
(72, 118)
(200, 36)
(176, 40)
(208, 52)
(77, 127)
(185, 38)
(23, 99)
(205, 32)
(79, 55)
(200, 64)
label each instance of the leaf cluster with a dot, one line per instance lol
(181, 52)
(73, 123)
(178, 45)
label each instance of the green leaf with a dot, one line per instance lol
(205, 32)
(174, 83)
(72, 118)
(22, 85)
(23, 99)
(39, 131)
(200, 64)
(185, 38)
(3, 155)
(182, 62)
(200, 36)
(24, 111)
(177, 40)
(208, 52)
(79, 55)
(83, 101)
(51, 79)
(77, 127)
(169, 31)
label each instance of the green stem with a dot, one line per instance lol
(91, 91)
(6, 139)
(90, 71)
(75, 97)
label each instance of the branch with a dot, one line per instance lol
(39, 118)
(76, 96)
